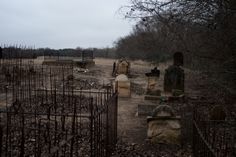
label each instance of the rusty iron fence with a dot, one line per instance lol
(213, 138)
(44, 114)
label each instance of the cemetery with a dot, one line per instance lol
(125, 78)
(115, 107)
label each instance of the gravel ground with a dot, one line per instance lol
(147, 149)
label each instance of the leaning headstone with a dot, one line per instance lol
(122, 86)
(153, 77)
(164, 126)
(217, 113)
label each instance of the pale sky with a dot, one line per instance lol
(62, 23)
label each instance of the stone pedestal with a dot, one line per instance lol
(122, 85)
(152, 85)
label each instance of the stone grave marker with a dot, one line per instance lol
(123, 67)
(174, 76)
(174, 79)
(164, 126)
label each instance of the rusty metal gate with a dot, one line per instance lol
(44, 115)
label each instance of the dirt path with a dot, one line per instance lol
(131, 128)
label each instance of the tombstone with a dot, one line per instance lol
(123, 67)
(153, 77)
(174, 76)
(122, 86)
(174, 79)
(217, 113)
(178, 59)
(164, 126)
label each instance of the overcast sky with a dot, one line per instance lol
(62, 23)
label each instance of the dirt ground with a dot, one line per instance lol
(132, 129)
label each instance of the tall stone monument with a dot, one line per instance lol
(174, 76)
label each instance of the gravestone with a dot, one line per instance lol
(123, 67)
(153, 77)
(122, 86)
(164, 126)
(174, 79)
(174, 76)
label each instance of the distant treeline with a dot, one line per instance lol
(114, 52)
(23, 52)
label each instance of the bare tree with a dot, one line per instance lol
(205, 30)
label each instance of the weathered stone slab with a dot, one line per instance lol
(169, 98)
(146, 109)
(164, 130)
(164, 126)
(152, 97)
